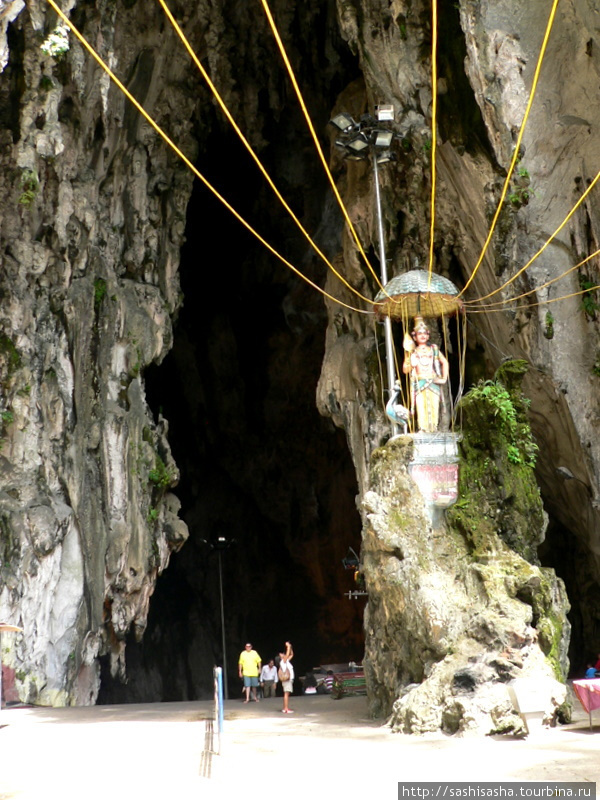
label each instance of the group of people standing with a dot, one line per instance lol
(253, 674)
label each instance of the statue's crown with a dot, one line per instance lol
(420, 325)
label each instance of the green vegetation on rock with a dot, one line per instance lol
(498, 492)
(499, 499)
(589, 304)
(9, 353)
(30, 184)
(99, 291)
(161, 476)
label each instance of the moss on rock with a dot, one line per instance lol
(498, 492)
(499, 497)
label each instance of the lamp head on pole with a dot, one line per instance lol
(357, 143)
(343, 122)
(385, 113)
(367, 135)
(383, 138)
(385, 157)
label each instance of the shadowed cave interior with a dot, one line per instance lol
(258, 463)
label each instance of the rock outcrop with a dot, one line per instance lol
(458, 611)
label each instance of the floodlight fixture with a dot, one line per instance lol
(383, 138)
(367, 121)
(385, 113)
(221, 543)
(385, 157)
(343, 122)
(358, 143)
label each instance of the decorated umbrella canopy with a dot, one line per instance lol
(418, 292)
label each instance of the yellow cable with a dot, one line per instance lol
(395, 354)
(517, 146)
(248, 147)
(537, 288)
(433, 129)
(540, 303)
(186, 160)
(545, 245)
(315, 138)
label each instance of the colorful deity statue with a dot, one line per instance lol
(428, 370)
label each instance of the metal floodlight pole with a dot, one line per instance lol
(358, 138)
(225, 689)
(389, 350)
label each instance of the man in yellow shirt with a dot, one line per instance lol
(249, 664)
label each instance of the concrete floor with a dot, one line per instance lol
(328, 748)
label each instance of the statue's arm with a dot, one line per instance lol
(444, 365)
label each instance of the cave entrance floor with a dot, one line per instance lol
(327, 748)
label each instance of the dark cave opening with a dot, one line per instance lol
(259, 465)
(460, 119)
(569, 557)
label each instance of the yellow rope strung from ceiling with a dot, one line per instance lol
(545, 245)
(486, 310)
(191, 166)
(290, 70)
(517, 149)
(434, 32)
(250, 150)
(537, 288)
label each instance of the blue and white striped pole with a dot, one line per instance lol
(218, 675)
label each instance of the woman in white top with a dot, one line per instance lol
(286, 676)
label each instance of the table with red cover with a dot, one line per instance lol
(588, 694)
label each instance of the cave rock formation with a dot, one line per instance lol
(93, 215)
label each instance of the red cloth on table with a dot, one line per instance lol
(588, 693)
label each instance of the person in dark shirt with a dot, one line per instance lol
(310, 683)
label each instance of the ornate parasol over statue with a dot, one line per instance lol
(418, 293)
